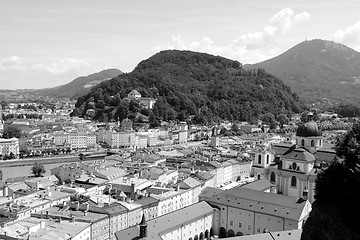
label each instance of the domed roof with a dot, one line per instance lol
(309, 129)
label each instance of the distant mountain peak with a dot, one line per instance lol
(80, 86)
(317, 69)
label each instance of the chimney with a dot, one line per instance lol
(77, 206)
(42, 224)
(132, 194)
(6, 191)
(143, 227)
(87, 207)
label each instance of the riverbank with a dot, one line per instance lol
(44, 161)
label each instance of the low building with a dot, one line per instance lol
(193, 222)
(241, 211)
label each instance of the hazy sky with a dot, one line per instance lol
(47, 43)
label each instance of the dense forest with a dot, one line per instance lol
(190, 86)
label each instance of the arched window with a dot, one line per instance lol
(294, 166)
(302, 142)
(320, 143)
(259, 159)
(313, 143)
(267, 158)
(272, 177)
(293, 181)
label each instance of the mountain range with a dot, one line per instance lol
(79, 86)
(318, 70)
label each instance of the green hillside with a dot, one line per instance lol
(190, 84)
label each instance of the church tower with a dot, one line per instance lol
(214, 141)
(143, 227)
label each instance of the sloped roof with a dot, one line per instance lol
(300, 154)
(259, 185)
(325, 155)
(282, 148)
(134, 92)
(189, 183)
(166, 223)
(261, 202)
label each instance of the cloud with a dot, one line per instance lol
(349, 36)
(247, 48)
(12, 63)
(59, 67)
(62, 66)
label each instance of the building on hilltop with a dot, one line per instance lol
(145, 102)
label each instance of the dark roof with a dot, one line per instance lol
(300, 154)
(147, 201)
(115, 209)
(309, 129)
(282, 148)
(325, 155)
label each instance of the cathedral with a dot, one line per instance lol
(296, 165)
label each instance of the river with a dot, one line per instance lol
(21, 171)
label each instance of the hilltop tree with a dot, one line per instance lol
(38, 169)
(282, 119)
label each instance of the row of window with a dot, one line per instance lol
(293, 179)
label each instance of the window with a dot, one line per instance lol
(293, 181)
(259, 159)
(267, 159)
(240, 225)
(272, 177)
(249, 227)
(312, 143)
(294, 166)
(231, 223)
(302, 142)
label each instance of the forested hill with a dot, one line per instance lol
(194, 84)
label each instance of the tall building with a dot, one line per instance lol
(297, 165)
(8, 146)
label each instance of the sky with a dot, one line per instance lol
(49, 43)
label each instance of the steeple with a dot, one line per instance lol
(143, 227)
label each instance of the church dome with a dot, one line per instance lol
(309, 129)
